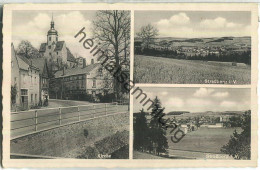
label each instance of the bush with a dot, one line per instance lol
(108, 98)
(86, 133)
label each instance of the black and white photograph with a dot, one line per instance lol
(66, 99)
(130, 85)
(192, 47)
(192, 123)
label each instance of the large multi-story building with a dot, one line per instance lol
(89, 79)
(56, 51)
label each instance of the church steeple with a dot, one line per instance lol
(52, 31)
(52, 36)
(52, 22)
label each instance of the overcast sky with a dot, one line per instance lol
(34, 25)
(193, 24)
(198, 99)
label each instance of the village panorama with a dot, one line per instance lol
(176, 47)
(198, 123)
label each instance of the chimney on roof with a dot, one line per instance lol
(92, 61)
(84, 63)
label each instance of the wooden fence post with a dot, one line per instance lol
(59, 116)
(79, 114)
(36, 120)
(94, 111)
(106, 109)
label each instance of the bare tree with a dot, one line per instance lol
(112, 31)
(147, 34)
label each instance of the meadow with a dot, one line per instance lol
(204, 140)
(150, 69)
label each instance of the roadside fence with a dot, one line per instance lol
(31, 121)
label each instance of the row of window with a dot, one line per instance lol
(32, 79)
(79, 85)
(34, 97)
(78, 77)
(50, 38)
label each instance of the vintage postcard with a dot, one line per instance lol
(130, 85)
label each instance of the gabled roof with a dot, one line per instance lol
(39, 63)
(25, 63)
(22, 64)
(42, 47)
(76, 71)
(59, 46)
(70, 56)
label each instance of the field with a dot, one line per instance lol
(204, 140)
(149, 69)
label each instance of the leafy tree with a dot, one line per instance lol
(112, 30)
(26, 49)
(141, 131)
(147, 34)
(13, 93)
(239, 146)
(157, 129)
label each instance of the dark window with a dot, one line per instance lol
(31, 98)
(82, 84)
(94, 83)
(56, 38)
(49, 47)
(100, 72)
(24, 92)
(49, 38)
(57, 52)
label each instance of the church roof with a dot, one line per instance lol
(52, 32)
(59, 46)
(76, 71)
(43, 47)
(70, 56)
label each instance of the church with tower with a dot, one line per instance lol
(56, 51)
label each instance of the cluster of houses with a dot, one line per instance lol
(195, 50)
(187, 122)
(32, 83)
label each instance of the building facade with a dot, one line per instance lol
(41, 63)
(25, 76)
(91, 80)
(56, 51)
